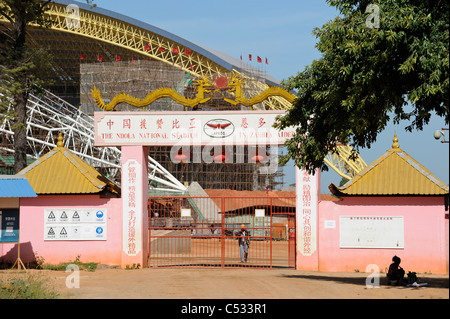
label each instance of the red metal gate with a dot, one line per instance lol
(202, 231)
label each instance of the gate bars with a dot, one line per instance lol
(200, 232)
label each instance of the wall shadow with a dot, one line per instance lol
(27, 256)
(432, 282)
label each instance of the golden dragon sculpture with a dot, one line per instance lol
(236, 83)
(204, 93)
(203, 88)
(206, 90)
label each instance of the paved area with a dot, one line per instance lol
(239, 284)
(276, 293)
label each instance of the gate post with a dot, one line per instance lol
(222, 233)
(134, 187)
(307, 191)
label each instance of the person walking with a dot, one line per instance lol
(244, 243)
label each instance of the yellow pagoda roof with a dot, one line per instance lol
(395, 173)
(61, 172)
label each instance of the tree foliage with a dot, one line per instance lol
(21, 65)
(367, 74)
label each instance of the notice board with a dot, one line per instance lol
(75, 224)
(9, 225)
(371, 232)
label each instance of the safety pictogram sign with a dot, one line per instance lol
(75, 224)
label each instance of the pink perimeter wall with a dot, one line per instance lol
(32, 242)
(425, 234)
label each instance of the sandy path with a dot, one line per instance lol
(238, 284)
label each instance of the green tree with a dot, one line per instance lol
(24, 68)
(379, 59)
(20, 66)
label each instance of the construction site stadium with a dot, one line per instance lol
(98, 189)
(96, 50)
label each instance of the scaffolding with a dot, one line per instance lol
(136, 78)
(255, 82)
(238, 173)
(140, 77)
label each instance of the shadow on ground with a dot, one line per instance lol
(432, 282)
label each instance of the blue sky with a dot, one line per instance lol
(280, 31)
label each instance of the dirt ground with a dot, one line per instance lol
(237, 283)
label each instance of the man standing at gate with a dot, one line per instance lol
(243, 237)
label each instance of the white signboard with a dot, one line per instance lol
(307, 200)
(371, 232)
(185, 212)
(75, 224)
(329, 224)
(189, 128)
(260, 212)
(132, 196)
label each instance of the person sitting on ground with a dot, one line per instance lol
(396, 273)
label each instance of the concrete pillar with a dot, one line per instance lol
(307, 191)
(134, 186)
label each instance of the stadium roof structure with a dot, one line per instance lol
(80, 33)
(225, 61)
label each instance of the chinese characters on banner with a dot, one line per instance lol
(307, 215)
(189, 128)
(132, 207)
